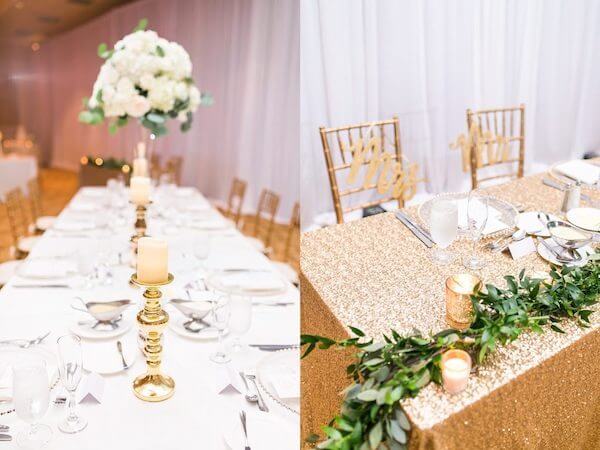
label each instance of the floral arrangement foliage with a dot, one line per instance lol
(384, 373)
(147, 78)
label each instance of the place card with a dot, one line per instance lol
(521, 248)
(91, 389)
(227, 379)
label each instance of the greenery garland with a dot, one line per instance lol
(371, 416)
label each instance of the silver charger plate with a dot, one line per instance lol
(508, 212)
(278, 359)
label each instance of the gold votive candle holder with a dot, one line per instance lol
(459, 308)
(456, 367)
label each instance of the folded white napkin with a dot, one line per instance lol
(493, 224)
(74, 225)
(286, 381)
(46, 269)
(253, 281)
(580, 170)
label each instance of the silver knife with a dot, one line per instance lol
(5, 437)
(41, 286)
(561, 187)
(417, 231)
(273, 347)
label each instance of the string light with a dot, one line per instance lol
(98, 161)
(125, 168)
(35, 46)
(83, 160)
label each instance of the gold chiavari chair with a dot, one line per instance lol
(41, 222)
(339, 146)
(233, 209)
(8, 263)
(289, 266)
(173, 168)
(264, 220)
(509, 125)
(19, 226)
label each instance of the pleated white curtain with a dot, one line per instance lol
(245, 52)
(428, 61)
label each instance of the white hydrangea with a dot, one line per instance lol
(145, 72)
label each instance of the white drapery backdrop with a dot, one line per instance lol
(428, 61)
(244, 52)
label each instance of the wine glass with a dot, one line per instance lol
(477, 216)
(443, 224)
(201, 249)
(221, 313)
(86, 267)
(240, 320)
(70, 368)
(31, 396)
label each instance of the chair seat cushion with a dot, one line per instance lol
(45, 222)
(27, 243)
(286, 271)
(7, 270)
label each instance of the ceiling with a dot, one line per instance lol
(26, 22)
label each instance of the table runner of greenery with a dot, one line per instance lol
(383, 373)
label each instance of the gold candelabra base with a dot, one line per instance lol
(153, 386)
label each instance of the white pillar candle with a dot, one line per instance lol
(456, 367)
(152, 260)
(141, 150)
(139, 190)
(140, 167)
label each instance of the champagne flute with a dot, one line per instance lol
(221, 313)
(31, 395)
(444, 228)
(477, 216)
(240, 320)
(70, 368)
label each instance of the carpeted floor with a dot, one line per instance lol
(58, 186)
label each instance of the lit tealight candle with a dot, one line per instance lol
(139, 188)
(456, 367)
(140, 167)
(152, 260)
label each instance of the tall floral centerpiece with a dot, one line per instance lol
(144, 78)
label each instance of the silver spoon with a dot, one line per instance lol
(250, 397)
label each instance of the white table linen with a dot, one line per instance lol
(16, 171)
(196, 416)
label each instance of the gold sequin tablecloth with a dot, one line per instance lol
(542, 391)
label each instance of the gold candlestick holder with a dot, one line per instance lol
(153, 386)
(140, 229)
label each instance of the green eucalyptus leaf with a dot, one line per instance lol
(375, 436)
(159, 51)
(368, 396)
(397, 432)
(141, 26)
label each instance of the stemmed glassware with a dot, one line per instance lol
(477, 217)
(221, 314)
(31, 395)
(444, 228)
(70, 368)
(201, 249)
(240, 320)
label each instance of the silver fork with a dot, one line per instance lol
(23, 343)
(243, 419)
(253, 398)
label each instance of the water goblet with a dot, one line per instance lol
(240, 320)
(31, 395)
(221, 313)
(444, 228)
(477, 217)
(70, 368)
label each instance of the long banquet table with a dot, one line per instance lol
(541, 391)
(197, 416)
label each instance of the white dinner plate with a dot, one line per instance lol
(210, 225)
(207, 334)
(274, 284)
(83, 329)
(46, 269)
(545, 253)
(83, 207)
(529, 222)
(265, 432)
(279, 376)
(104, 357)
(585, 218)
(72, 226)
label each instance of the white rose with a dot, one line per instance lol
(147, 81)
(108, 73)
(161, 96)
(138, 106)
(108, 93)
(182, 116)
(125, 87)
(194, 98)
(181, 90)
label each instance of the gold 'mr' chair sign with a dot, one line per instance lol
(493, 134)
(356, 151)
